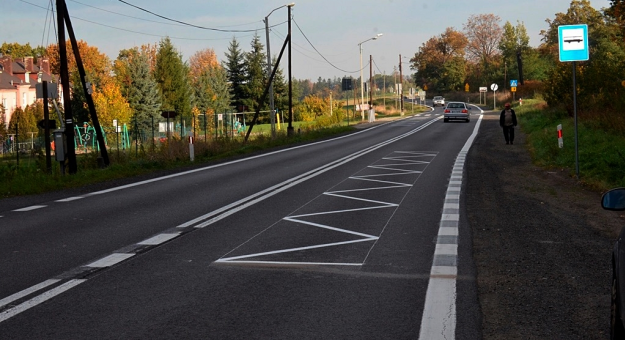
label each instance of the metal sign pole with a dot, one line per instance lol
(575, 118)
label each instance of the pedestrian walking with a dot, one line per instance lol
(507, 120)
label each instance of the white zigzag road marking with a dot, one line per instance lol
(323, 226)
(404, 160)
(379, 181)
(343, 211)
(282, 251)
(394, 169)
(378, 188)
(384, 204)
(380, 175)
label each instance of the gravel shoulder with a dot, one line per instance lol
(541, 244)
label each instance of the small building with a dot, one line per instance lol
(18, 78)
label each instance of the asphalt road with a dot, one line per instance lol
(362, 236)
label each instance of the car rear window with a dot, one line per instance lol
(455, 106)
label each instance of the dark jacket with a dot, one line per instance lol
(502, 118)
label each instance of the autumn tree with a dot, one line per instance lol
(201, 61)
(210, 83)
(97, 65)
(98, 70)
(440, 62)
(483, 34)
(212, 90)
(111, 105)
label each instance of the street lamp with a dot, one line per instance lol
(362, 91)
(271, 104)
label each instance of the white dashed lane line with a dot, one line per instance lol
(33, 207)
(69, 199)
(110, 260)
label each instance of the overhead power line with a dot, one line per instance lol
(322, 56)
(127, 30)
(186, 23)
(143, 19)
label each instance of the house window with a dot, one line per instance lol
(24, 100)
(4, 103)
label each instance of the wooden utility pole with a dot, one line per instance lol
(67, 100)
(86, 88)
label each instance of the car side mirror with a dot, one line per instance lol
(614, 199)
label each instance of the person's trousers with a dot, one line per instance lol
(508, 133)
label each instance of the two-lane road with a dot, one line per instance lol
(359, 236)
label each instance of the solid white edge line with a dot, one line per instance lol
(11, 312)
(439, 311)
(27, 292)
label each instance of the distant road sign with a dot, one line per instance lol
(513, 89)
(466, 87)
(513, 83)
(494, 87)
(484, 89)
(573, 42)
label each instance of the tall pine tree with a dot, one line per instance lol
(235, 67)
(255, 75)
(139, 87)
(171, 75)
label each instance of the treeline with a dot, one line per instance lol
(144, 81)
(485, 52)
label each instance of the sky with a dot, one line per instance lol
(326, 33)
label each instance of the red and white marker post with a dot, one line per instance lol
(560, 141)
(191, 149)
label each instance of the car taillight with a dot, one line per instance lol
(447, 111)
(465, 111)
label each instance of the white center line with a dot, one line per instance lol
(11, 312)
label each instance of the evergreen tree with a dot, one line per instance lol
(171, 75)
(27, 119)
(280, 89)
(235, 67)
(255, 75)
(140, 89)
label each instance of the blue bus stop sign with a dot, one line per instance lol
(573, 42)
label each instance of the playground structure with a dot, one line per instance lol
(121, 137)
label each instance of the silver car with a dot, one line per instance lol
(457, 110)
(438, 100)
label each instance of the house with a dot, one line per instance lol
(18, 78)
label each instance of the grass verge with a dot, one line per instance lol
(30, 177)
(601, 157)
